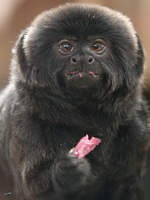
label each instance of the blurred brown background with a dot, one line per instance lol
(15, 15)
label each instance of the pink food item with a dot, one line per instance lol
(85, 146)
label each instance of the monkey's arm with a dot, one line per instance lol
(130, 154)
(28, 157)
(40, 172)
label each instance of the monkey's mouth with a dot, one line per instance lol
(81, 79)
(81, 75)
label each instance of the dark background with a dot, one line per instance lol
(15, 15)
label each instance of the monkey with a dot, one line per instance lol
(76, 69)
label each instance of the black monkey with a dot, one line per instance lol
(77, 69)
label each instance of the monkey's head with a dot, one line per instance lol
(80, 48)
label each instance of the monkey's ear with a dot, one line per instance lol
(140, 56)
(32, 74)
(20, 51)
(21, 56)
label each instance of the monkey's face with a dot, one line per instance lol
(81, 60)
(83, 48)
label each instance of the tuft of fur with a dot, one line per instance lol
(43, 115)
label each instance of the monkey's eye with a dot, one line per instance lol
(98, 46)
(65, 47)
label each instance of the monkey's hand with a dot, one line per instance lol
(70, 174)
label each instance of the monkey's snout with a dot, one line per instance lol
(76, 60)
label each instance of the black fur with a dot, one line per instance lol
(43, 114)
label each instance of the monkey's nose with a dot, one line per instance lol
(75, 59)
(90, 59)
(78, 59)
